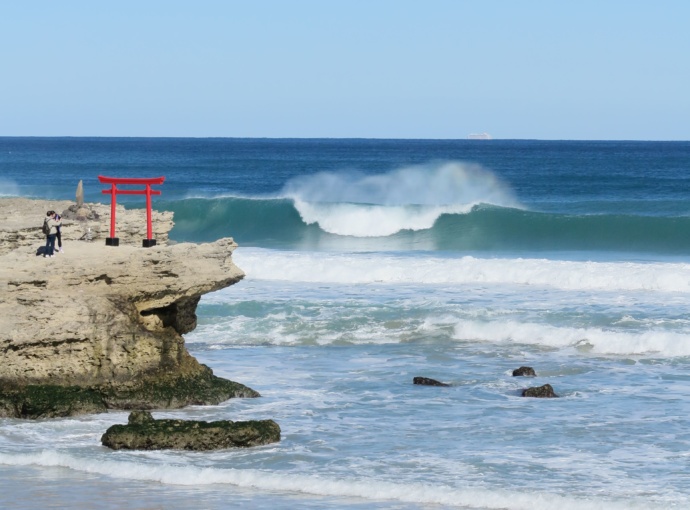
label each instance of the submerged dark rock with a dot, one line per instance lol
(524, 372)
(545, 391)
(143, 432)
(425, 381)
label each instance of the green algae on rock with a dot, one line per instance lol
(169, 391)
(49, 401)
(545, 391)
(143, 432)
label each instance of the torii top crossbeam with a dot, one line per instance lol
(114, 191)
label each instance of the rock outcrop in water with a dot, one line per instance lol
(426, 381)
(143, 432)
(545, 391)
(100, 327)
(524, 372)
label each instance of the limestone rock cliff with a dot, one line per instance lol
(103, 323)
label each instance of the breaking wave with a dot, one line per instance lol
(284, 223)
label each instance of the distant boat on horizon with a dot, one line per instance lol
(479, 136)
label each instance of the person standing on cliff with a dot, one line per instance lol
(52, 227)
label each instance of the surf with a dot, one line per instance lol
(372, 268)
(444, 206)
(409, 198)
(312, 484)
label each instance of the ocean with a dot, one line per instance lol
(370, 262)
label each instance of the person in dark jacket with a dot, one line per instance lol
(52, 227)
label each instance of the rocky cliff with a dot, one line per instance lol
(100, 327)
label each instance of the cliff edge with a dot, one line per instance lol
(100, 327)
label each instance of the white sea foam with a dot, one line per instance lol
(597, 307)
(355, 204)
(239, 331)
(367, 489)
(373, 220)
(595, 340)
(364, 268)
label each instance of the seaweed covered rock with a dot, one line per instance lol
(524, 372)
(143, 432)
(425, 381)
(49, 401)
(545, 391)
(167, 391)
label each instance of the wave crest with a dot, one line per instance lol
(412, 198)
(373, 220)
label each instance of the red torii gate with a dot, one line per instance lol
(114, 191)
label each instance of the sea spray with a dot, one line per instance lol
(357, 204)
(373, 220)
(8, 188)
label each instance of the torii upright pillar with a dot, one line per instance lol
(114, 191)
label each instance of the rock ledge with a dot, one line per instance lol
(100, 327)
(143, 432)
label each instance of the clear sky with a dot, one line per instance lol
(585, 69)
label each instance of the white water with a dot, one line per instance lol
(315, 267)
(621, 308)
(419, 493)
(373, 220)
(357, 432)
(413, 198)
(333, 341)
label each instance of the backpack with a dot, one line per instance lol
(46, 227)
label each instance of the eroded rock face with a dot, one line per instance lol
(105, 319)
(143, 432)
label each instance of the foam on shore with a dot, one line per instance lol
(424, 494)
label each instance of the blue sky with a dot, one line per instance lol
(331, 68)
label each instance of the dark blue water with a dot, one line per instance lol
(538, 171)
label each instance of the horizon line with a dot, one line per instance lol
(492, 139)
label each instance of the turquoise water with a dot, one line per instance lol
(371, 262)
